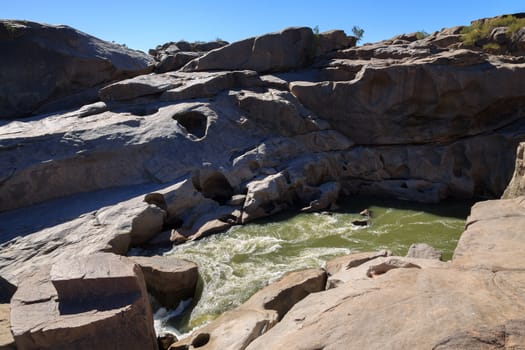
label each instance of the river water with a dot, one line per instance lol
(235, 264)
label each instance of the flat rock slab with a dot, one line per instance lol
(495, 236)
(103, 305)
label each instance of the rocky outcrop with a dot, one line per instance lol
(47, 68)
(174, 55)
(389, 115)
(235, 329)
(418, 303)
(289, 49)
(516, 185)
(169, 280)
(493, 238)
(284, 120)
(98, 302)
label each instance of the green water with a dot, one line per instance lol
(237, 263)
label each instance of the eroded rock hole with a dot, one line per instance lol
(194, 122)
(215, 186)
(200, 340)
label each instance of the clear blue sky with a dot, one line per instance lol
(145, 24)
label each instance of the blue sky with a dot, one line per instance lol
(145, 24)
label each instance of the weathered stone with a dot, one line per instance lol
(329, 193)
(288, 49)
(143, 85)
(493, 236)
(277, 111)
(237, 200)
(346, 262)
(283, 294)
(265, 196)
(235, 329)
(334, 40)
(143, 221)
(94, 302)
(423, 251)
(516, 186)
(518, 41)
(169, 280)
(499, 35)
(377, 267)
(342, 316)
(67, 64)
(175, 61)
(386, 115)
(6, 338)
(174, 86)
(193, 140)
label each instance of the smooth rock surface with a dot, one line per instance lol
(493, 238)
(420, 120)
(288, 49)
(423, 251)
(49, 68)
(6, 338)
(400, 310)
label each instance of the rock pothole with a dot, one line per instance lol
(213, 185)
(193, 122)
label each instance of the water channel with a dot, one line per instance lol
(235, 264)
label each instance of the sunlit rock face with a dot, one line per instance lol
(285, 120)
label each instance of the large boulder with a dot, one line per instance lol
(97, 302)
(48, 68)
(276, 52)
(169, 280)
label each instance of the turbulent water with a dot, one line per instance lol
(237, 263)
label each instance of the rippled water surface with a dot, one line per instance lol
(237, 263)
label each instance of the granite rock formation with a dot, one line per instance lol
(284, 120)
(46, 68)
